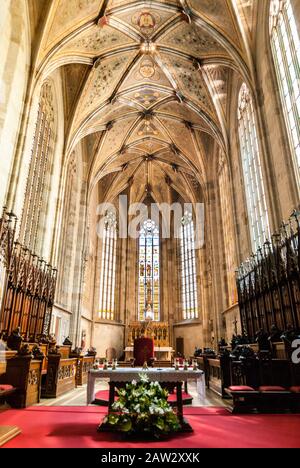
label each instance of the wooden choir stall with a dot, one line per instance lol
(35, 365)
(258, 370)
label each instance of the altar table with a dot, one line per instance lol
(166, 375)
(162, 353)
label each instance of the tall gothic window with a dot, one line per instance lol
(188, 268)
(254, 185)
(286, 52)
(2, 281)
(149, 271)
(39, 177)
(108, 268)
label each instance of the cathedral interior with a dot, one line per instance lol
(109, 107)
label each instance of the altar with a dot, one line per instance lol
(158, 331)
(161, 353)
(165, 375)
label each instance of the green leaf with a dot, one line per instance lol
(126, 426)
(160, 424)
(113, 419)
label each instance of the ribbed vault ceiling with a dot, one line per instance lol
(146, 87)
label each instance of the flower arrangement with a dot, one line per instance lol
(143, 409)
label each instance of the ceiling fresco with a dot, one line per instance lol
(149, 86)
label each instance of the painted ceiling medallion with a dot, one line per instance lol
(148, 69)
(147, 97)
(147, 128)
(146, 22)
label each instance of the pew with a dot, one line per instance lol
(84, 365)
(24, 374)
(203, 365)
(64, 351)
(259, 384)
(279, 350)
(44, 349)
(264, 385)
(215, 376)
(60, 377)
(217, 373)
(5, 389)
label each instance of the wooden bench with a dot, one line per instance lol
(84, 365)
(5, 391)
(266, 385)
(24, 374)
(44, 349)
(264, 399)
(217, 373)
(61, 376)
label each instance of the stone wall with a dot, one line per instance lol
(106, 335)
(14, 68)
(192, 334)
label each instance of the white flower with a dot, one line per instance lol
(154, 409)
(117, 405)
(137, 408)
(134, 382)
(144, 378)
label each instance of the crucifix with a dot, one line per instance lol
(235, 323)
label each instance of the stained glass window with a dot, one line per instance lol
(2, 281)
(254, 184)
(286, 52)
(188, 268)
(149, 271)
(108, 268)
(39, 177)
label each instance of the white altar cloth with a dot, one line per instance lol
(160, 352)
(127, 374)
(157, 349)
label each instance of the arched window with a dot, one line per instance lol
(108, 268)
(149, 271)
(254, 184)
(2, 281)
(188, 268)
(39, 177)
(286, 52)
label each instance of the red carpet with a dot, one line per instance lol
(70, 427)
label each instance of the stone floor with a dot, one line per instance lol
(77, 397)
